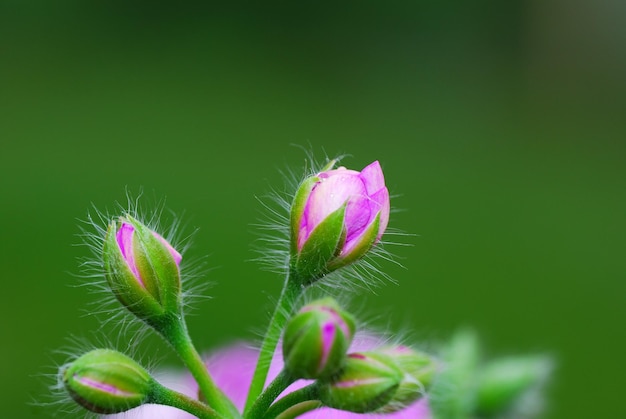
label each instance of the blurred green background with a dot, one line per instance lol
(501, 128)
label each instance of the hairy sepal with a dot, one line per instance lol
(297, 209)
(321, 247)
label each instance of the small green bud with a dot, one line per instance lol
(367, 383)
(505, 382)
(107, 381)
(317, 339)
(419, 370)
(141, 268)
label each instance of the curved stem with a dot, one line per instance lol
(168, 397)
(292, 400)
(178, 336)
(300, 409)
(288, 296)
(273, 390)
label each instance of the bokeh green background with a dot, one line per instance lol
(500, 127)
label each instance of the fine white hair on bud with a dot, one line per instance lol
(273, 244)
(57, 402)
(93, 230)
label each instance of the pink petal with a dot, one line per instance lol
(418, 410)
(358, 216)
(373, 178)
(382, 199)
(329, 333)
(303, 235)
(232, 369)
(330, 194)
(124, 238)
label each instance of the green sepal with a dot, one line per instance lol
(367, 383)
(157, 268)
(297, 209)
(365, 243)
(329, 166)
(107, 381)
(320, 247)
(419, 370)
(126, 288)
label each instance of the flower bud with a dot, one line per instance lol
(418, 372)
(316, 340)
(336, 217)
(107, 381)
(506, 382)
(367, 383)
(141, 268)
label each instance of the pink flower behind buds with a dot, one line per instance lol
(232, 369)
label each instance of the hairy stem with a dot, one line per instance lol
(168, 397)
(177, 335)
(299, 409)
(273, 390)
(296, 403)
(288, 296)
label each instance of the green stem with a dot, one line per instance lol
(300, 409)
(165, 396)
(288, 296)
(273, 390)
(178, 336)
(293, 400)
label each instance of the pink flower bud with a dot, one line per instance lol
(367, 383)
(337, 216)
(142, 270)
(125, 239)
(316, 340)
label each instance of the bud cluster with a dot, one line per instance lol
(337, 216)
(315, 346)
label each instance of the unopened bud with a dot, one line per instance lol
(141, 268)
(336, 217)
(368, 382)
(418, 372)
(107, 381)
(316, 340)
